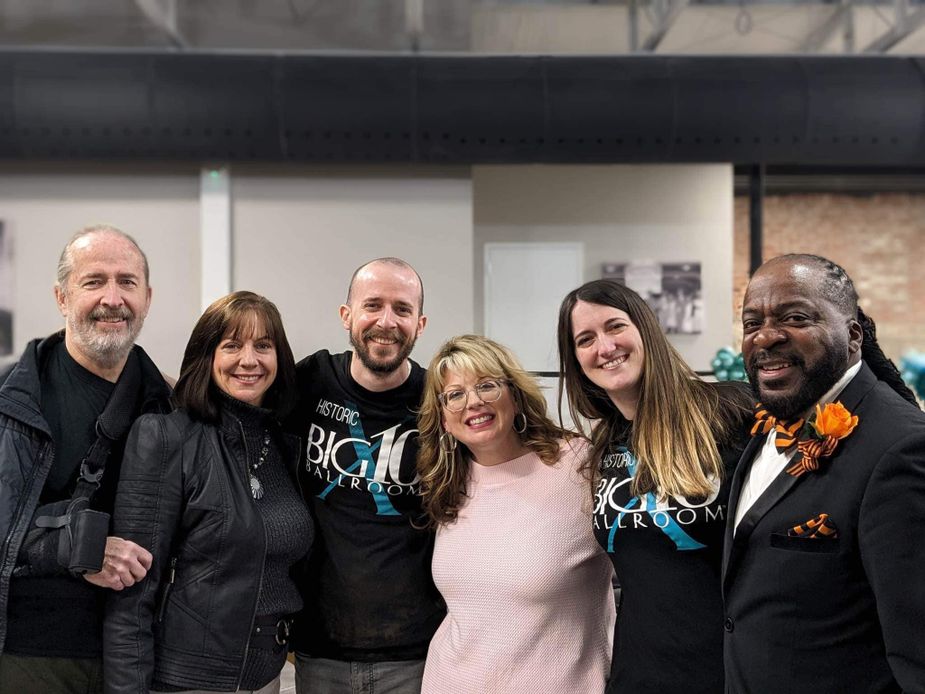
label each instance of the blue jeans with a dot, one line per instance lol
(324, 676)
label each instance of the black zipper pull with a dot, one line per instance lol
(171, 577)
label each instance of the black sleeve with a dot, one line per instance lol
(890, 531)
(147, 512)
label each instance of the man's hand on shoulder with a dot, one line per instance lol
(124, 564)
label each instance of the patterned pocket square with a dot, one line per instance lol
(819, 527)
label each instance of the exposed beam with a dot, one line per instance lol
(819, 36)
(848, 34)
(755, 217)
(414, 23)
(663, 25)
(163, 15)
(897, 32)
(633, 17)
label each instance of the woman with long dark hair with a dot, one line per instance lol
(209, 490)
(663, 447)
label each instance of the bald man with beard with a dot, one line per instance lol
(371, 604)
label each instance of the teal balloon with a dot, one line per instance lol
(913, 371)
(728, 365)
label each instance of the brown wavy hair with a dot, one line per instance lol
(680, 419)
(444, 474)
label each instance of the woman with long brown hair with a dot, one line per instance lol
(528, 591)
(210, 491)
(663, 447)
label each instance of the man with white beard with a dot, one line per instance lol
(65, 411)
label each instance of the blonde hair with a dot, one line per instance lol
(444, 473)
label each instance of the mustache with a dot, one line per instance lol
(762, 356)
(388, 334)
(103, 314)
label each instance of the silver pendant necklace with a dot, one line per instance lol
(256, 487)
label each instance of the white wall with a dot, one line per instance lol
(620, 213)
(44, 204)
(300, 233)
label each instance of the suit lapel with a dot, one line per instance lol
(736, 541)
(735, 491)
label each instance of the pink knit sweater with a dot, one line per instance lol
(528, 589)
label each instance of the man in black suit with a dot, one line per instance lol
(824, 564)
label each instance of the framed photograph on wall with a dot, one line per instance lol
(6, 292)
(673, 290)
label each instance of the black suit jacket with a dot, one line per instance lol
(834, 615)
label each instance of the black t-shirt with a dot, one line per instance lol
(72, 399)
(668, 557)
(368, 587)
(62, 616)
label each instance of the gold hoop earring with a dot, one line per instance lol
(523, 428)
(447, 442)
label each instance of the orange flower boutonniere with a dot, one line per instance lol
(827, 427)
(834, 421)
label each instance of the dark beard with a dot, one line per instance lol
(380, 367)
(816, 382)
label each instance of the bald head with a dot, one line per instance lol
(387, 263)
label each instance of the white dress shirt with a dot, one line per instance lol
(769, 462)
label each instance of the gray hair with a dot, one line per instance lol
(66, 261)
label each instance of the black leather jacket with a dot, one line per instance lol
(185, 495)
(27, 451)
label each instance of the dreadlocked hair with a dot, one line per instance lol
(882, 366)
(840, 290)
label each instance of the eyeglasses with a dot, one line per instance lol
(486, 391)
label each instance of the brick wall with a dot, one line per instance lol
(879, 239)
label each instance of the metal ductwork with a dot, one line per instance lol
(792, 111)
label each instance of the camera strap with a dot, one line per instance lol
(111, 426)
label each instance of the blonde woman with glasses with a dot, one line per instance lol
(528, 590)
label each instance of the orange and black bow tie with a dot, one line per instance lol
(787, 432)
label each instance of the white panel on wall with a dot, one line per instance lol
(669, 213)
(299, 233)
(214, 233)
(524, 285)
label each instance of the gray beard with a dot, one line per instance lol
(108, 350)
